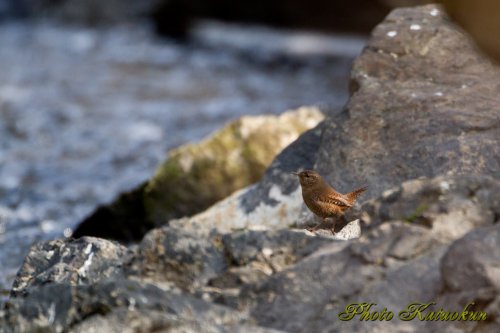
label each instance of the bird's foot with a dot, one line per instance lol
(317, 226)
(312, 229)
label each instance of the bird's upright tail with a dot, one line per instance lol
(352, 196)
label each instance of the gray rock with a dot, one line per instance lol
(254, 256)
(450, 206)
(471, 278)
(344, 231)
(216, 266)
(125, 321)
(273, 203)
(383, 267)
(58, 307)
(472, 262)
(195, 176)
(280, 248)
(81, 261)
(418, 66)
(138, 320)
(424, 103)
(171, 258)
(179, 258)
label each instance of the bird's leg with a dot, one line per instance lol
(316, 227)
(332, 229)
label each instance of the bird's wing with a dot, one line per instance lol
(334, 198)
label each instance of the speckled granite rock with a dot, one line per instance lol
(217, 266)
(82, 261)
(450, 206)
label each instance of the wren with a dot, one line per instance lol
(322, 199)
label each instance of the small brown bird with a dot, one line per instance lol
(322, 199)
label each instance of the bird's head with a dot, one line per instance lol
(309, 178)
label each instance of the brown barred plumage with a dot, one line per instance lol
(322, 199)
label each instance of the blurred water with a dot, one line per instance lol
(86, 114)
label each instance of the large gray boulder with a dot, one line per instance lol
(423, 103)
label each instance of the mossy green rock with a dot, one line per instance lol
(197, 175)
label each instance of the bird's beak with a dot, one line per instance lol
(294, 173)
